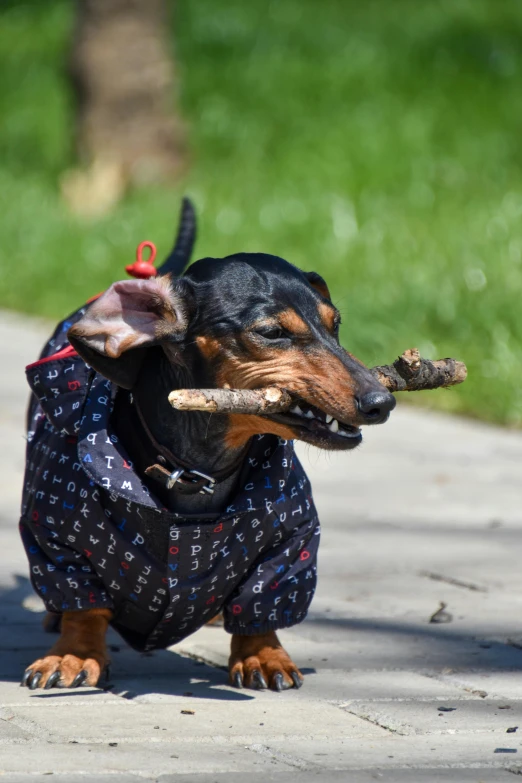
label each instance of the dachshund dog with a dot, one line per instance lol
(154, 520)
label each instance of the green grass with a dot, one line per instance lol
(376, 142)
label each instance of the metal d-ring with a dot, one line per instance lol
(174, 477)
(209, 489)
(177, 474)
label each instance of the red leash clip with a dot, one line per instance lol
(140, 268)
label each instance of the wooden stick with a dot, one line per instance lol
(408, 373)
(268, 400)
(412, 373)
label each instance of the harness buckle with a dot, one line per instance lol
(175, 476)
(209, 488)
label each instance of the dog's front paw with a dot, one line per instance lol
(261, 662)
(67, 671)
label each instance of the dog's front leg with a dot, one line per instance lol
(261, 662)
(78, 657)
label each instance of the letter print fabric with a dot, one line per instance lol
(96, 536)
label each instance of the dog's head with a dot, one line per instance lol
(246, 321)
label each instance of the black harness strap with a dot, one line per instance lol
(183, 477)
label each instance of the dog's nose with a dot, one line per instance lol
(375, 406)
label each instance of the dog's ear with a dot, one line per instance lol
(124, 321)
(317, 282)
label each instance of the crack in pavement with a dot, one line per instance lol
(285, 758)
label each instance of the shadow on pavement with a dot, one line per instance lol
(137, 675)
(358, 644)
(380, 643)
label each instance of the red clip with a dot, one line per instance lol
(140, 268)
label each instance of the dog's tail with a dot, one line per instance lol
(179, 257)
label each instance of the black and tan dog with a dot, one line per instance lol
(154, 520)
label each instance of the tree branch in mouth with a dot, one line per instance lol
(410, 372)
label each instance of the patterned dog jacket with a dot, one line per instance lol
(96, 536)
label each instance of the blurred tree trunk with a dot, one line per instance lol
(123, 76)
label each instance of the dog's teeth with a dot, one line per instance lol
(328, 418)
(297, 410)
(350, 434)
(334, 426)
(309, 415)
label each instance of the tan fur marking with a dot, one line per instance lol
(293, 322)
(81, 646)
(263, 653)
(327, 315)
(318, 377)
(209, 346)
(243, 427)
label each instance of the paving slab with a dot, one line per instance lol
(359, 776)
(505, 685)
(398, 752)
(70, 777)
(484, 775)
(149, 760)
(427, 511)
(451, 716)
(198, 721)
(9, 732)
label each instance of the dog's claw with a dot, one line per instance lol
(279, 682)
(258, 681)
(27, 675)
(296, 680)
(53, 679)
(79, 679)
(238, 680)
(35, 681)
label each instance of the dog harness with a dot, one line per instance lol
(96, 536)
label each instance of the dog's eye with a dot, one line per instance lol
(271, 332)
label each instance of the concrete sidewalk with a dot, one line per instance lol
(427, 510)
